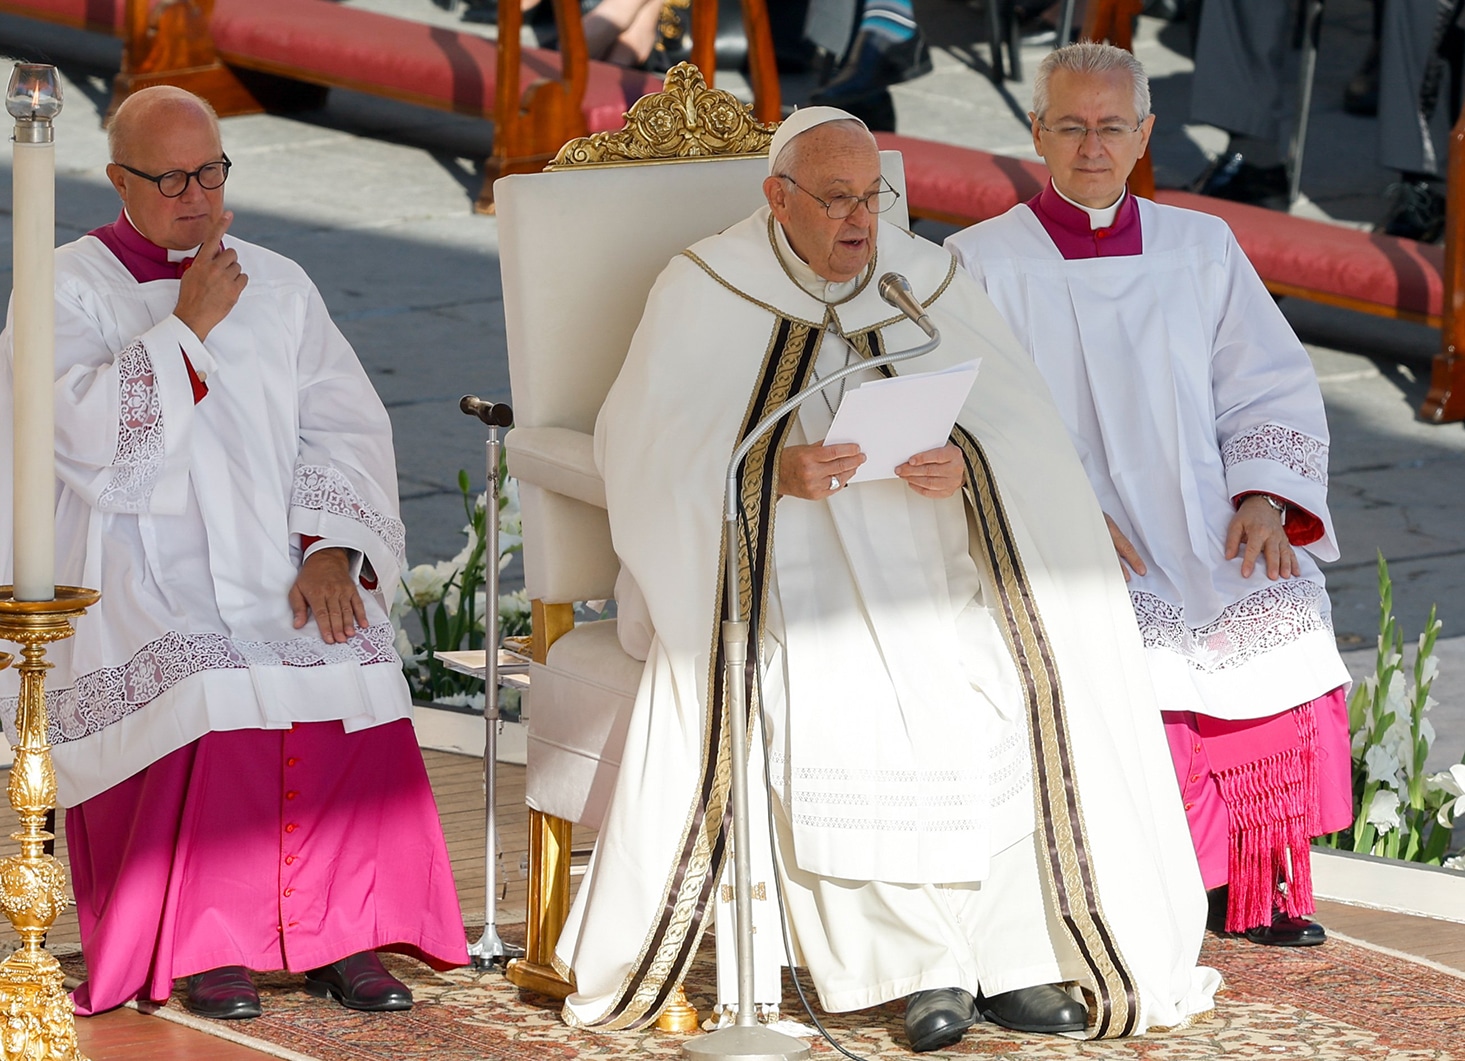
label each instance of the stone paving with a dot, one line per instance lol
(373, 199)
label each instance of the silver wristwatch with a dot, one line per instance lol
(1280, 506)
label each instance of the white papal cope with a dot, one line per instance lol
(955, 692)
(193, 539)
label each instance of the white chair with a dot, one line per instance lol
(580, 246)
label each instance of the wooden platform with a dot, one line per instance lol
(126, 1035)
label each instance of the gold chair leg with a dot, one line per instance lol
(549, 905)
(680, 1016)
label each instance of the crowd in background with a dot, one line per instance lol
(1409, 79)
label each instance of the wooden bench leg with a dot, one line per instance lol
(549, 905)
(169, 44)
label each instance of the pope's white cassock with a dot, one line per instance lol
(1185, 390)
(232, 781)
(933, 672)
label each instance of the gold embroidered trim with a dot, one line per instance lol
(690, 888)
(1063, 841)
(743, 294)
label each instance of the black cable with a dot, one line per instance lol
(788, 944)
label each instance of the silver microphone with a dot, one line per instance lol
(494, 414)
(896, 290)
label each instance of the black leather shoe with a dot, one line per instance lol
(1216, 909)
(1046, 1009)
(1416, 211)
(1232, 177)
(226, 993)
(1287, 931)
(938, 1018)
(874, 62)
(359, 982)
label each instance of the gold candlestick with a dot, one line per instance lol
(37, 1017)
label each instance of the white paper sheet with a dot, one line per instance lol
(893, 419)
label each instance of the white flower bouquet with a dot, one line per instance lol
(1400, 811)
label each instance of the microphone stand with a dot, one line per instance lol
(490, 947)
(746, 1039)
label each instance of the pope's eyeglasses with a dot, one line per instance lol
(839, 207)
(175, 182)
(1110, 135)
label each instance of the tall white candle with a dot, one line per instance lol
(34, 332)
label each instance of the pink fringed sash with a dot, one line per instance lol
(1267, 772)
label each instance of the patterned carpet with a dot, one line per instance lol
(1340, 1002)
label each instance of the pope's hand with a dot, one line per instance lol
(326, 590)
(1259, 526)
(212, 284)
(1128, 554)
(815, 472)
(935, 473)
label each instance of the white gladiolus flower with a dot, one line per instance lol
(1382, 765)
(1452, 781)
(425, 584)
(1383, 811)
(1430, 668)
(1457, 863)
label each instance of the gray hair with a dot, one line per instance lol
(1092, 57)
(788, 159)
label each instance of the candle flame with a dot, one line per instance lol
(36, 97)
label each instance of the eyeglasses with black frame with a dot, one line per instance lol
(175, 182)
(1111, 133)
(840, 207)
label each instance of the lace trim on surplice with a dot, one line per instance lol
(1299, 453)
(321, 488)
(137, 464)
(1261, 622)
(102, 697)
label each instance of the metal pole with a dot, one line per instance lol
(746, 1039)
(490, 947)
(1311, 33)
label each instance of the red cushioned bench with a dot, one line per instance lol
(251, 55)
(1295, 256)
(99, 16)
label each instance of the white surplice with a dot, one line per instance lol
(902, 651)
(1183, 387)
(188, 517)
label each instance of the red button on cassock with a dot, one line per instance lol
(289, 860)
(291, 827)
(291, 761)
(288, 892)
(291, 795)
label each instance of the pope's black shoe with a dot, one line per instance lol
(226, 993)
(874, 62)
(1046, 1009)
(359, 982)
(1287, 931)
(1232, 177)
(938, 1018)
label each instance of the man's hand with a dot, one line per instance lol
(935, 473)
(1128, 554)
(212, 284)
(326, 590)
(816, 472)
(1259, 526)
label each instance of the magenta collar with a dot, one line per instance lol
(1068, 227)
(143, 258)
